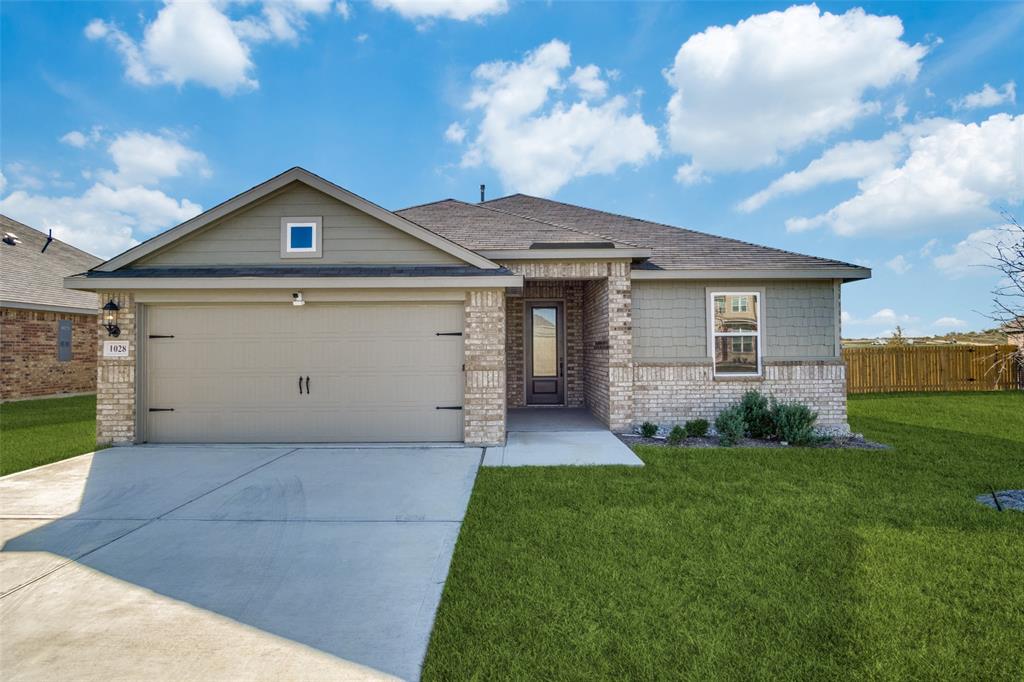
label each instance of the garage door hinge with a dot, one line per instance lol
(161, 409)
(448, 407)
(448, 334)
(161, 336)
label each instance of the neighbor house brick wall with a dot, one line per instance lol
(29, 361)
(115, 384)
(571, 292)
(668, 394)
(484, 403)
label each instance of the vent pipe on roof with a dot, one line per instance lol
(483, 188)
(49, 239)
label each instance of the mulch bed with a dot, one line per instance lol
(854, 440)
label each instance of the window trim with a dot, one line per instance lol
(288, 223)
(758, 334)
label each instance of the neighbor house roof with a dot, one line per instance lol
(672, 248)
(33, 278)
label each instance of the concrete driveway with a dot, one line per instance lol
(228, 562)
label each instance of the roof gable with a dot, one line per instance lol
(156, 250)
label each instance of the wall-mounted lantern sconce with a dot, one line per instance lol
(297, 298)
(110, 318)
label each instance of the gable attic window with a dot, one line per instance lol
(302, 237)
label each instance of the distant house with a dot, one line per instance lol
(47, 333)
(1015, 332)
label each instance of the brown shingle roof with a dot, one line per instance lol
(674, 248)
(30, 276)
(482, 228)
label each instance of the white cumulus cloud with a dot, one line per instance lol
(899, 265)
(949, 322)
(588, 80)
(196, 41)
(974, 253)
(988, 97)
(749, 92)
(536, 139)
(844, 161)
(460, 10)
(122, 206)
(950, 176)
(455, 133)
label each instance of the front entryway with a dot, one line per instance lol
(545, 353)
(559, 436)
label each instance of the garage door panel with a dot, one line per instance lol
(377, 373)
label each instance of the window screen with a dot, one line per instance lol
(63, 340)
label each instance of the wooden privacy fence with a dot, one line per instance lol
(931, 368)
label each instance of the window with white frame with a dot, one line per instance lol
(735, 334)
(301, 237)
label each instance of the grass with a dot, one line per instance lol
(753, 564)
(35, 432)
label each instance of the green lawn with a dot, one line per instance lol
(753, 564)
(34, 432)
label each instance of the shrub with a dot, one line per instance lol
(730, 426)
(794, 422)
(757, 413)
(676, 435)
(697, 428)
(647, 429)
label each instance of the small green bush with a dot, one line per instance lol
(697, 428)
(647, 429)
(794, 422)
(757, 413)
(730, 426)
(676, 435)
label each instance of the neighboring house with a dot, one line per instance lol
(47, 333)
(1015, 332)
(298, 311)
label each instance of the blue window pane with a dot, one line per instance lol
(301, 237)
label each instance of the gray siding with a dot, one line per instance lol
(253, 237)
(669, 319)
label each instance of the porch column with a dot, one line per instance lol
(620, 347)
(483, 408)
(115, 376)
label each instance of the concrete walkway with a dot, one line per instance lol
(558, 437)
(224, 562)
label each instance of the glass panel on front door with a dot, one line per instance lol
(545, 342)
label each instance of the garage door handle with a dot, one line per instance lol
(300, 384)
(307, 385)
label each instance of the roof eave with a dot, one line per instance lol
(847, 274)
(100, 283)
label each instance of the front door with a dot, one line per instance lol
(545, 364)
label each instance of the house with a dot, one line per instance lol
(47, 333)
(300, 312)
(1014, 330)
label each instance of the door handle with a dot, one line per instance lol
(300, 384)
(307, 385)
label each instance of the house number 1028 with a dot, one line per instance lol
(115, 349)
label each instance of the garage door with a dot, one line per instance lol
(369, 373)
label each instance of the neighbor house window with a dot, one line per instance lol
(301, 237)
(735, 335)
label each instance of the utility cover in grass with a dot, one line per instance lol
(1010, 499)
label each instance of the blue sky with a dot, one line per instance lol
(887, 134)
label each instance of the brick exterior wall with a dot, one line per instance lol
(571, 292)
(669, 394)
(115, 385)
(484, 337)
(29, 364)
(620, 347)
(595, 343)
